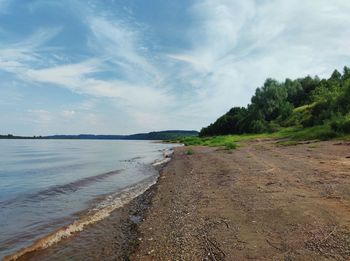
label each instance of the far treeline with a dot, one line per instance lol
(303, 103)
(154, 135)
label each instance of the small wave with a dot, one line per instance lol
(63, 189)
(132, 159)
(160, 162)
(166, 157)
(75, 185)
(99, 212)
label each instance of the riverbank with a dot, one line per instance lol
(113, 238)
(262, 201)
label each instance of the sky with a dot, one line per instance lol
(121, 67)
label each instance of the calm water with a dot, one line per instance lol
(47, 184)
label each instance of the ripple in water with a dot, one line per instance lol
(54, 200)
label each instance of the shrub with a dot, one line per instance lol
(273, 127)
(320, 132)
(230, 146)
(342, 125)
(189, 152)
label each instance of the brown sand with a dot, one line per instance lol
(258, 202)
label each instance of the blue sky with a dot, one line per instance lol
(118, 67)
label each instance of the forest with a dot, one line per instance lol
(304, 102)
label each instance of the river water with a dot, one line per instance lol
(50, 189)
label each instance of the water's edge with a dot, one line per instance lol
(131, 203)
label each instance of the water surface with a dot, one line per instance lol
(47, 184)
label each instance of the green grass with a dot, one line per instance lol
(322, 132)
(189, 152)
(228, 142)
(230, 146)
(346, 137)
(293, 134)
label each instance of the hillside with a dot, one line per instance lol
(301, 103)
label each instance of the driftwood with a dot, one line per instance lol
(323, 240)
(215, 253)
(274, 245)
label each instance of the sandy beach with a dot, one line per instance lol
(261, 201)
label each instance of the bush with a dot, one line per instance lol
(188, 141)
(300, 116)
(189, 152)
(273, 127)
(342, 125)
(230, 146)
(320, 132)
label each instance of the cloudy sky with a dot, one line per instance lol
(119, 67)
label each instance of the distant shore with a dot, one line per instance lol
(154, 135)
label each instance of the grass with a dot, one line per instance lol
(217, 141)
(322, 132)
(189, 152)
(230, 146)
(228, 142)
(346, 137)
(292, 134)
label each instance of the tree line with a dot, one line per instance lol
(304, 102)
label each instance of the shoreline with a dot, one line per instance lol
(128, 217)
(258, 202)
(128, 214)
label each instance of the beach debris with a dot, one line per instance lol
(150, 252)
(135, 219)
(330, 242)
(215, 253)
(278, 246)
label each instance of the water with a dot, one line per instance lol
(48, 184)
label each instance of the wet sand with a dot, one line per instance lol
(112, 238)
(261, 201)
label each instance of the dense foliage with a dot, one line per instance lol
(303, 102)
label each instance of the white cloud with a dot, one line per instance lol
(68, 113)
(68, 75)
(76, 77)
(113, 43)
(238, 44)
(40, 117)
(18, 57)
(233, 46)
(122, 46)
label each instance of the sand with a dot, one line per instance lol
(261, 201)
